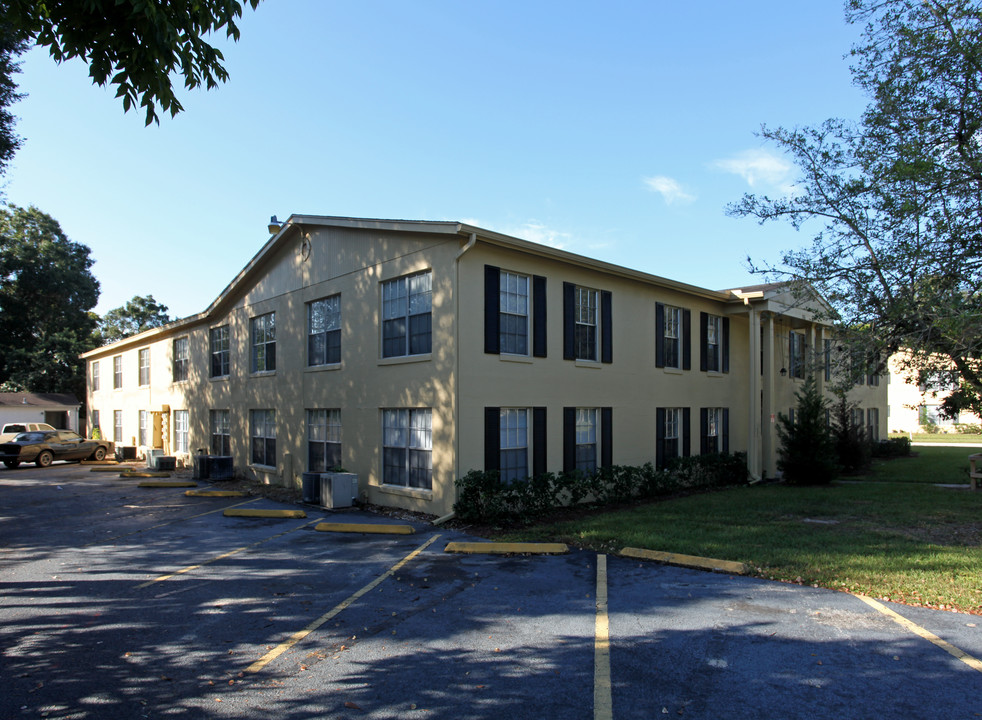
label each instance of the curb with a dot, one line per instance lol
(691, 561)
(248, 512)
(506, 548)
(140, 474)
(167, 484)
(215, 493)
(369, 528)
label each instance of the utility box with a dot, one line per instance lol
(125, 453)
(167, 463)
(200, 466)
(220, 467)
(151, 457)
(338, 490)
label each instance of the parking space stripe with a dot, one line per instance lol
(164, 524)
(189, 568)
(301, 634)
(602, 702)
(972, 662)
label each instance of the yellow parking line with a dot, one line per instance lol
(602, 702)
(160, 525)
(301, 634)
(189, 568)
(972, 662)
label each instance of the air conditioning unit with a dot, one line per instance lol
(338, 490)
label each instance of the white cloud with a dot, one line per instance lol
(669, 189)
(760, 168)
(536, 232)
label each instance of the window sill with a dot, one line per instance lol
(418, 493)
(263, 468)
(673, 370)
(504, 357)
(593, 364)
(218, 378)
(324, 368)
(403, 359)
(715, 373)
(262, 374)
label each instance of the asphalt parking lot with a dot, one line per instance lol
(125, 602)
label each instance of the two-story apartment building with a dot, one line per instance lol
(411, 352)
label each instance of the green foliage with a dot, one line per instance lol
(46, 291)
(133, 44)
(11, 46)
(899, 194)
(482, 497)
(892, 447)
(807, 454)
(852, 450)
(139, 314)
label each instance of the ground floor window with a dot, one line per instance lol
(263, 434)
(95, 426)
(714, 430)
(671, 435)
(407, 447)
(143, 428)
(118, 426)
(181, 431)
(514, 444)
(221, 432)
(323, 440)
(873, 424)
(586, 439)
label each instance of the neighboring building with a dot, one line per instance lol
(56, 409)
(412, 352)
(913, 406)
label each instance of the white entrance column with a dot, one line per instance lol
(767, 417)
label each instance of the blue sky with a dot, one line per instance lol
(618, 130)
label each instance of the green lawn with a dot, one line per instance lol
(908, 541)
(928, 465)
(942, 438)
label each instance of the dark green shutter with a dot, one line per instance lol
(659, 334)
(606, 327)
(539, 345)
(492, 438)
(569, 439)
(492, 308)
(686, 339)
(538, 441)
(606, 437)
(569, 331)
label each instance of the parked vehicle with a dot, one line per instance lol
(44, 447)
(10, 430)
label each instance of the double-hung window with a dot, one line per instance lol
(221, 432)
(672, 341)
(714, 430)
(324, 331)
(513, 444)
(407, 448)
(181, 431)
(263, 435)
(873, 424)
(219, 345)
(323, 440)
(95, 375)
(182, 359)
(796, 353)
(586, 439)
(586, 321)
(672, 337)
(118, 426)
(144, 432)
(117, 372)
(671, 434)
(714, 337)
(264, 343)
(513, 319)
(144, 359)
(407, 315)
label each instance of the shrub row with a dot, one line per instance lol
(482, 497)
(894, 447)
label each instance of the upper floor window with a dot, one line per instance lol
(117, 372)
(585, 319)
(182, 359)
(587, 327)
(144, 357)
(513, 322)
(796, 345)
(324, 331)
(407, 315)
(264, 343)
(672, 337)
(95, 375)
(672, 327)
(219, 342)
(714, 336)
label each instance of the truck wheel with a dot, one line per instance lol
(44, 459)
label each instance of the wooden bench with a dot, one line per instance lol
(974, 472)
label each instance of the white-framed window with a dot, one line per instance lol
(117, 372)
(118, 426)
(714, 335)
(673, 337)
(513, 428)
(219, 344)
(95, 426)
(221, 432)
(181, 431)
(513, 313)
(324, 331)
(264, 343)
(407, 447)
(585, 319)
(143, 429)
(323, 439)
(796, 347)
(144, 360)
(858, 421)
(407, 323)
(712, 430)
(181, 359)
(873, 424)
(669, 435)
(586, 439)
(95, 375)
(263, 433)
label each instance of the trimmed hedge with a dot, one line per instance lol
(482, 497)
(894, 447)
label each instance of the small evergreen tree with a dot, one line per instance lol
(807, 453)
(851, 447)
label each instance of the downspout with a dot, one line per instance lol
(471, 242)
